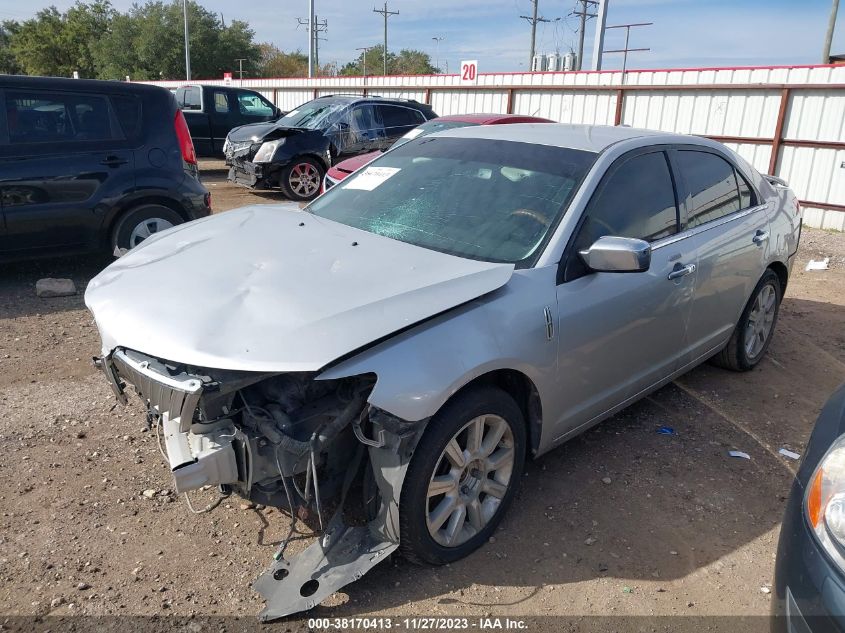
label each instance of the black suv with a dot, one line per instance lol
(294, 152)
(92, 165)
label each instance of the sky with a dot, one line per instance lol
(686, 33)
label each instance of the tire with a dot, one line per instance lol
(451, 424)
(736, 355)
(300, 181)
(139, 223)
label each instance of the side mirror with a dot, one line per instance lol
(618, 255)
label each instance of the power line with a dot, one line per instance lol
(533, 21)
(386, 15)
(627, 50)
(583, 15)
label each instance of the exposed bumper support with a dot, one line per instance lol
(343, 554)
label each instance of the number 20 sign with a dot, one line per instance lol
(469, 71)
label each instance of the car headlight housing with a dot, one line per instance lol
(266, 151)
(226, 145)
(824, 502)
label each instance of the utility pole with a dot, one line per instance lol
(437, 39)
(627, 50)
(315, 27)
(831, 25)
(386, 15)
(319, 27)
(310, 38)
(533, 20)
(241, 61)
(584, 15)
(598, 40)
(187, 42)
(366, 50)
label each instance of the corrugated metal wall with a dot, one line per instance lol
(746, 108)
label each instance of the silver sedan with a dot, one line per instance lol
(389, 356)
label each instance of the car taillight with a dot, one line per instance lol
(186, 144)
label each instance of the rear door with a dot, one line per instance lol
(398, 121)
(67, 158)
(729, 230)
(361, 131)
(252, 107)
(621, 333)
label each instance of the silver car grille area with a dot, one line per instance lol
(237, 149)
(173, 397)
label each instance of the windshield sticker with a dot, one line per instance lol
(413, 133)
(292, 113)
(371, 178)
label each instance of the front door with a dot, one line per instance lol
(621, 333)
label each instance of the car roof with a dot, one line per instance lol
(591, 138)
(491, 118)
(80, 85)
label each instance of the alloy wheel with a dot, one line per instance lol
(304, 179)
(470, 480)
(760, 321)
(147, 228)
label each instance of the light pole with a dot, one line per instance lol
(187, 42)
(438, 39)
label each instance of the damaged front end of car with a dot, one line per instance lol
(288, 440)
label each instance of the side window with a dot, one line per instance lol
(221, 102)
(364, 121)
(254, 105)
(40, 117)
(128, 112)
(746, 196)
(193, 98)
(712, 186)
(179, 95)
(636, 199)
(399, 120)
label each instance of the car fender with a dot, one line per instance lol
(419, 369)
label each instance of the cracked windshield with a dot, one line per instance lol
(477, 198)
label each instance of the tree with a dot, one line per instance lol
(8, 63)
(148, 43)
(407, 62)
(58, 44)
(272, 62)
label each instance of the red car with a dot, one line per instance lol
(342, 170)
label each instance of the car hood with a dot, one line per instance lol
(262, 131)
(273, 288)
(356, 162)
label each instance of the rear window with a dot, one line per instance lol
(711, 183)
(192, 99)
(127, 109)
(42, 117)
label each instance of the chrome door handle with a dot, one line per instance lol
(760, 237)
(682, 272)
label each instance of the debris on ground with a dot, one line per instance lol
(666, 430)
(606, 481)
(739, 454)
(815, 264)
(790, 454)
(50, 287)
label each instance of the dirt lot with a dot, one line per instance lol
(680, 529)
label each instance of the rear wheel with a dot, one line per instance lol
(140, 223)
(753, 333)
(300, 181)
(462, 477)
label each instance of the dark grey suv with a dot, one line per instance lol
(92, 165)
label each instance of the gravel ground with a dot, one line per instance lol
(621, 520)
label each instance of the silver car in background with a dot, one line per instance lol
(396, 350)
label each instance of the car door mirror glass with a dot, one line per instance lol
(618, 255)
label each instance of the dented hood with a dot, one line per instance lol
(273, 288)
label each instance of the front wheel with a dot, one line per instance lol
(462, 476)
(753, 333)
(300, 181)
